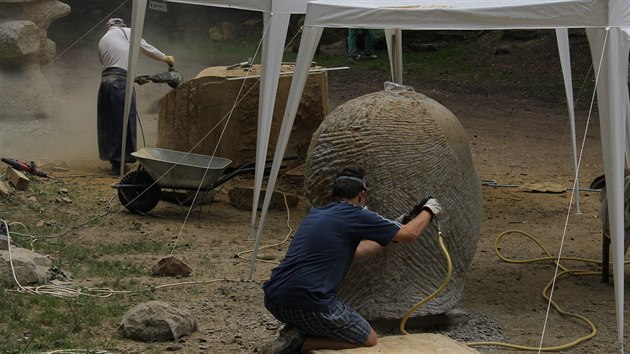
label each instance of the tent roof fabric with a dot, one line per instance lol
(268, 6)
(462, 14)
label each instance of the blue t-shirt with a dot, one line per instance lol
(321, 253)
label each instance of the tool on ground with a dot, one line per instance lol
(171, 77)
(245, 64)
(23, 166)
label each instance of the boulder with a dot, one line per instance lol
(410, 146)
(30, 267)
(156, 321)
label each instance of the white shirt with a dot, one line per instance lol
(113, 48)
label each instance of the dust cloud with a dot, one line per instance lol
(67, 134)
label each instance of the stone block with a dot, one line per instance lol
(17, 178)
(195, 114)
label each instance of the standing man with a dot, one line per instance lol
(302, 290)
(368, 44)
(113, 50)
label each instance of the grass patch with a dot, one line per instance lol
(37, 323)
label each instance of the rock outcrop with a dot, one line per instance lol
(24, 47)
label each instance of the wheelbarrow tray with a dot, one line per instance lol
(181, 170)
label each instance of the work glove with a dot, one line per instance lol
(433, 207)
(170, 60)
(405, 218)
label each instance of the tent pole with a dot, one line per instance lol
(612, 93)
(393, 37)
(308, 45)
(137, 24)
(276, 26)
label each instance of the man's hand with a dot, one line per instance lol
(433, 207)
(170, 60)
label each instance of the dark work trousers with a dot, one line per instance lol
(111, 106)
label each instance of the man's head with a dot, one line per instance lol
(118, 22)
(349, 184)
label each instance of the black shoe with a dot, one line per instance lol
(289, 341)
(354, 57)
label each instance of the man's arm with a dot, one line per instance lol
(409, 232)
(367, 248)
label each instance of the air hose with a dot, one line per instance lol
(449, 271)
(564, 271)
(549, 257)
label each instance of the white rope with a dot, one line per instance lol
(53, 290)
(286, 204)
(566, 223)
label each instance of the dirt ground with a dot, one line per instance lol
(515, 142)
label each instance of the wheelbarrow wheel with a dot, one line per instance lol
(138, 192)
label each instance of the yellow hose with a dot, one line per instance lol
(565, 271)
(449, 271)
(549, 257)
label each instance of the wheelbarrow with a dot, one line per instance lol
(140, 190)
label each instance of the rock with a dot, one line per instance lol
(196, 107)
(20, 38)
(17, 178)
(411, 146)
(24, 91)
(30, 267)
(171, 266)
(5, 189)
(156, 321)
(4, 240)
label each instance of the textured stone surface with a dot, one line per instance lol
(193, 116)
(20, 38)
(411, 146)
(41, 12)
(424, 343)
(24, 92)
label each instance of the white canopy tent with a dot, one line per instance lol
(277, 14)
(603, 19)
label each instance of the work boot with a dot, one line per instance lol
(289, 341)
